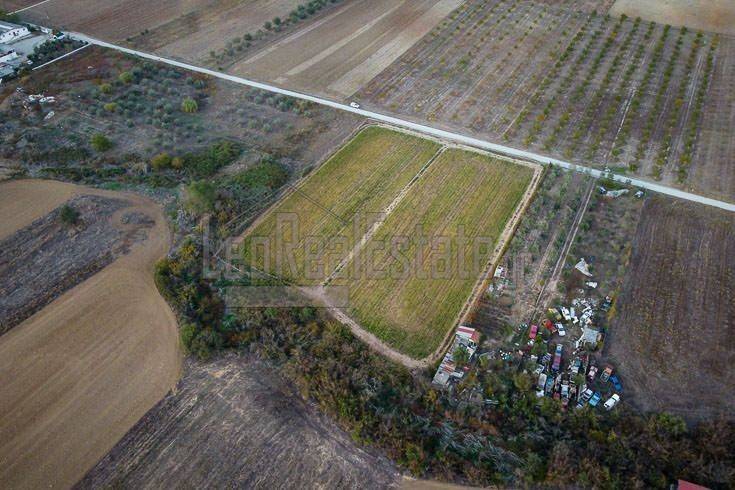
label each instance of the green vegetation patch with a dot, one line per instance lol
(410, 281)
(316, 226)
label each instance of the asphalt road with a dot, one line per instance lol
(439, 133)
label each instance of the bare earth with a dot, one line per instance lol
(338, 53)
(672, 339)
(79, 373)
(234, 423)
(706, 15)
(20, 207)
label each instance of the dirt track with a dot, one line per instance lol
(234, 423)
(79, 373)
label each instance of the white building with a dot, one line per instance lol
(8, 56)
(9, 33)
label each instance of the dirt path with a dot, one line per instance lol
(82, 371)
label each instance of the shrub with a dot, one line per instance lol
(100, 142)
(125, 77)
(200, 197)
(189, 105)
(161, 161)
(69, 216)
(106, 88)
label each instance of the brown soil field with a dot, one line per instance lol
(559, 80)
(192, 36)
(672, 338)
(706, 15)
(337, 53)
(21, 207)
(235, 423)
(83, 370)
(13, 5)
(62, 255)
(109, 19)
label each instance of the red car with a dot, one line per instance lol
(533, 332)
(550, 326)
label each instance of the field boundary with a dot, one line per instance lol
(318, 294)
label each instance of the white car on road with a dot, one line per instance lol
(354, 105)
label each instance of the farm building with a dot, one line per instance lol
(464, 338)
(10, 33)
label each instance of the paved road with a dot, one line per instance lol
(439, 133)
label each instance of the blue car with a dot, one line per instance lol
(616, 383)
(595, 399)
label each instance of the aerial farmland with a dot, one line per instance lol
(342, 225)
(367, 243)
(616, 92)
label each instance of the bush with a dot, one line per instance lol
(69, 216)
(161, 161)
(100, 142)
(200, 197)
(106, 88)
(189, 105)
(110, 107)
(125, 77)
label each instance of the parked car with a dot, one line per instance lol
(557, 358)
(612, 401)
(606, 374)
(549, 385)
(595, 399)
(593, 372)
(533, 332)
(616, 383)
(584, 397)
(562, 331)
(541, 381)
(549, 326)
(576, 365)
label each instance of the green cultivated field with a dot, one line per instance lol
(418, 301)
(363, 177)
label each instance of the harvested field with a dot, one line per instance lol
(211, 27)
(21, 208)
(335, 205)
(80, 372)
(62, 255)
(562, 81)
(705, 15)
(110, 19)
(673, 335)
(235, 423)
(338, 53)
(432, 249)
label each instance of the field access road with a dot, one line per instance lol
(438, 133)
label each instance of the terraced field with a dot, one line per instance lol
(309, 232)
(413, 277)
